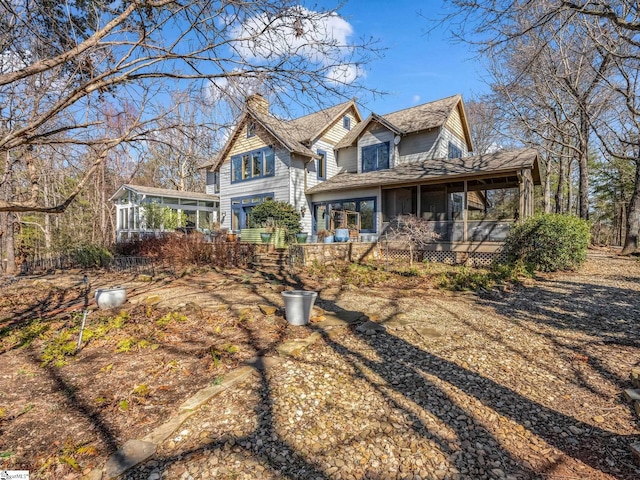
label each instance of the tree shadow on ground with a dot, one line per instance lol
(604, 315)
(419, 384)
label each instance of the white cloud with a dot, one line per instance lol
(316, 37)
(416, 98)
(345, 74)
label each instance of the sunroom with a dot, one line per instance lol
(196, 211)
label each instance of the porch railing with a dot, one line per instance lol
(443, 231)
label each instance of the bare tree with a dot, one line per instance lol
(63, 63)
(611, 28)
(188, 135)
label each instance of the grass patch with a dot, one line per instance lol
(170, 318)
(22, 336)
(141, 390)
(61, 347)
(128, 344)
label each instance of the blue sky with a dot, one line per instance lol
(419, 65)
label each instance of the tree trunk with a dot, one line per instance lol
(569, 206)
(633, 216)
(583, 167)
(547, 186)
(560, 188)
(7, 229)
(47, 217)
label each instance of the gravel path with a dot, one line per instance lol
(517, 385)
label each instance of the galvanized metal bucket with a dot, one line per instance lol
(298, 305)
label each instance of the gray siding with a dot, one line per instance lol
(348, 159)
(413, 147)
(278, 184)
(312, 166)
(373, 137)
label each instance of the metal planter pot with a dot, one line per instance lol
(111, 297)
(298, 305)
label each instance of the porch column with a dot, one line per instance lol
(464, 213)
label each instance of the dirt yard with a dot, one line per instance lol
(508, 381)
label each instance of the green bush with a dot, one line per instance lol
(282, 214)
(548, 243)
(89, 256)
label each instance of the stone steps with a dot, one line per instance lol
(278, 260)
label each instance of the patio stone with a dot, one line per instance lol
(130, 454)
(295, 347)
(268, 309)
(152, 299)
(370, 328)
(632, 395)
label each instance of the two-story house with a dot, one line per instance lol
(269, 158)
(414, 161)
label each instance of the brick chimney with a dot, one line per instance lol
(258, 103)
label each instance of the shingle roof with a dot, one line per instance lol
(165, 192)
(287, 133)
(423, 117)
(413, 119)
(310, 126)
(293, 134)
(435, 168)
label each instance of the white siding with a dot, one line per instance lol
(278, 184)
(334, 134)
(297, 188)
(373, 136)
(454, 123)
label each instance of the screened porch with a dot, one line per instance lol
(474, 210)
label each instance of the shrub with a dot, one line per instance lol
(190, 249)
(89, 256)
(548, 243)
(283, 214)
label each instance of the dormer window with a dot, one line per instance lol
(454, 151)
(251, 129)
(346, 122)
(375, 157)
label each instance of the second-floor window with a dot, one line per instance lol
(322, 165)
(346, 122)
(252, 165)
(454, 151)
(375, 157)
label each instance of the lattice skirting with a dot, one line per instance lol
(474, 259)
(450, 258)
